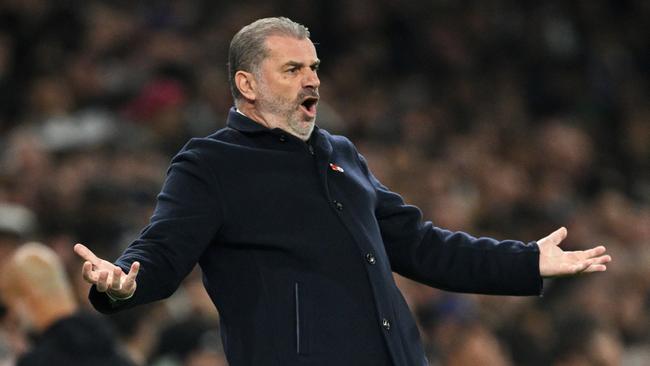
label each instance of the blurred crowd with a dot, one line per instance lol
(500, 118)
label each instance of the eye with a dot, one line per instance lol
(292, 70)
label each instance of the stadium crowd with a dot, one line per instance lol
(499, 118)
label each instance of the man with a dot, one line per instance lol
(296, 238)
(38, 294)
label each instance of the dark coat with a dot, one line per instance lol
(298, 241)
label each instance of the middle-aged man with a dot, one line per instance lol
(296, 238)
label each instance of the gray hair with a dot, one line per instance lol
(247, 49)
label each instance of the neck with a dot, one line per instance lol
(57, 308)
(249, 110)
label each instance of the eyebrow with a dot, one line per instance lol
(300, 64)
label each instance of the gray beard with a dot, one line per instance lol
(287, 113)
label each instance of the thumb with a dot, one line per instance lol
(556, 237)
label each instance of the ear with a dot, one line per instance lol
(247, 85)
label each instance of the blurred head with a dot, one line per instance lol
(35, 288)
(273, 75)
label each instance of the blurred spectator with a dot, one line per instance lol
(17, 224)
(40, 301)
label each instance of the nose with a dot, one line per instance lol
(311, 79)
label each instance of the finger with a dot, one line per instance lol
(102, 281)
(602, 259)
(558, 236)
(133, 272)
(86, 254)
(129, 282)
(594, 264)
(595, 268)
(87, 273)
(591, 265)
(581, 266)
(117, 276)
(593, 252)
(554, 238)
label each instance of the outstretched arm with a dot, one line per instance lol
(554, 262)
(184, 223)
(456, 261)
(106, 276)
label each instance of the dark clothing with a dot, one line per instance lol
(78, 340)
(298, 241)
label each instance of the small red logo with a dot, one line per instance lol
(336, 168)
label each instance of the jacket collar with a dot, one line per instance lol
(240, 122)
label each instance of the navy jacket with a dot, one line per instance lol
(297, 242)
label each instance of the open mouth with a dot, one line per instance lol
(309, 106)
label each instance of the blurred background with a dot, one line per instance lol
(500, 118)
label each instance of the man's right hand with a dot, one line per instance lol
(106, 276)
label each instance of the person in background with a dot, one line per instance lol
(35, 288)
(17, 224)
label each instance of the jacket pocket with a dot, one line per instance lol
(301, 320)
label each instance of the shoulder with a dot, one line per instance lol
(225, 138)
(338, 142)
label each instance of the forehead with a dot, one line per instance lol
(282, 49)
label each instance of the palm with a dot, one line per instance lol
(106, 276)
(554, 262)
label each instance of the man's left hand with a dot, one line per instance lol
(554, 262)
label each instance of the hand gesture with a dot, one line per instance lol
(106, 276)
(554, 261)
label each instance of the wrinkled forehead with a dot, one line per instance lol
(282, 49)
